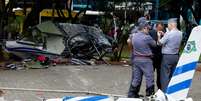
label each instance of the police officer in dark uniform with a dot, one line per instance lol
(142, 62)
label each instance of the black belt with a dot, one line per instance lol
(143, 56)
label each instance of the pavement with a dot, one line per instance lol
(68, 80)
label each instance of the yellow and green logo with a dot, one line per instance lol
(190, 47)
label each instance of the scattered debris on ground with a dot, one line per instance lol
(42, 62)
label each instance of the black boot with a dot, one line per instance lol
(133, 92)
(150, 91)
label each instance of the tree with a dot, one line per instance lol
(126, 14)
(6, 12)
(188, 9)
(181, 8)
(33, 17)
(58, 6)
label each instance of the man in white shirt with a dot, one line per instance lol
(170, 52)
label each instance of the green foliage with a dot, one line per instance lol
(4, 55)
(13, 26)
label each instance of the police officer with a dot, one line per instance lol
(134, 30)
(142, 63)
(170, 52)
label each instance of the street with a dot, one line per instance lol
(60, 81)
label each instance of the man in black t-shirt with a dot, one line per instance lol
(157, 58)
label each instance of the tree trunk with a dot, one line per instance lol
(69, 9)
(2, 9)
(2, 5)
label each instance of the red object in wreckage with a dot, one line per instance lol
(41, 58)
